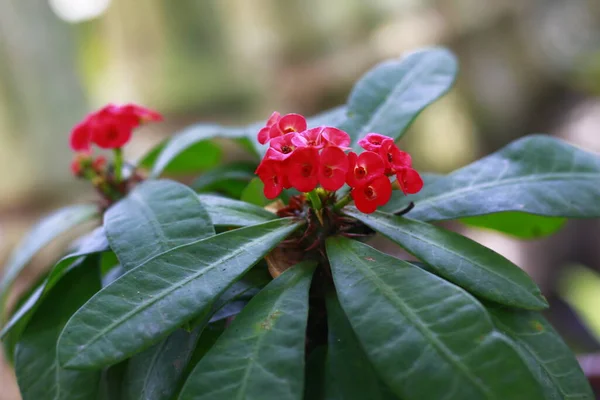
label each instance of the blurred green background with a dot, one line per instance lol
(526, 67)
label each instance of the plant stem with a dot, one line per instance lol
(342, 202)
(118, 165)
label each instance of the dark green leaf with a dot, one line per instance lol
(155, 374)
(154, 218)
(253, 193)
(92, 243)
(193, 143)
(426, 338)
(111, 382)
(548, 357)
(261, 355)
(519, 224)
(42, 233)
(38, 372)
(162, 294)
(459, 259)
(314, 374)
(350, 375)
(226, 212)
(536, 174)
(390, 96)
(229, 179)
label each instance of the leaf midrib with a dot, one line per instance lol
(497, 184)
(160, 296)
(422, 327)
(460, 256)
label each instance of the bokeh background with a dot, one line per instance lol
(528, 66)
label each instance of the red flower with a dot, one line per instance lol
(269, 172)
(309, 138)
(263, 134)
(80, 161)
(393, 157)
(363, 168)
(372, 141)
(80, 139)
(110, 127)
(375, 193)
(409, 180)
(281, 147)
(303, 168)
(332, 168)
(335, 137)
(99, 164)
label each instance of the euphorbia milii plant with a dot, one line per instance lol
(265, 279)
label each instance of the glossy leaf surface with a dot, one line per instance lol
(261, 354)
(426, 338)
(162, 294)
(154, 218)
(226, 212)
(459, 259)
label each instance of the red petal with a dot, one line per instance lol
(263, 135)
(269, 172)
(80, 137)
(409, 180)
(334, 161)
(371, 164)
(335, 137)
(302, 169)
(273, 118)
(292, 123)
(372, 141)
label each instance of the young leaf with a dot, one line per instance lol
(43, 233)
(162, 294)
(92, 243)
(390, 96)
(226, 212)
(154, 218)
(518, 224)
(536, 174)
(38, 373)
(459, 259)
(192, 141)
(548, 357)
(261, 355)
(350, 375)
(426, 338)
(155, 374)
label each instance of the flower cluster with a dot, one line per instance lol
(304, 158)
(110, 127)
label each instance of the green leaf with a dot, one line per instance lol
(155, 374)
(459, 259)
(38, 373)
(518, 224)
(229, 179)
(261, 355)
(92, 243)
(426, 338)
(390, 96)
(314, 374)
(193, 143)
(332, 117)
(536, 174)
(42, 233)
(350, 375)
(253, 193)
(226, 212)
(154, 218)
(200, 156)
(111, 382)
(165, 292)
(548, 357)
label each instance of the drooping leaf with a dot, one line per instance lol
(390, 96)
(261, 355)
(154, 218)
(155, 374)
(92, 243)
(350, 375)
(548, 357)
(459, 259)
(536, 174)
(518, 224)
(226, 212)
(426, 338)
(38, 373)
(191, 143)
(42, 233)
(253, 193)
(229, 179)
(168, 290)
